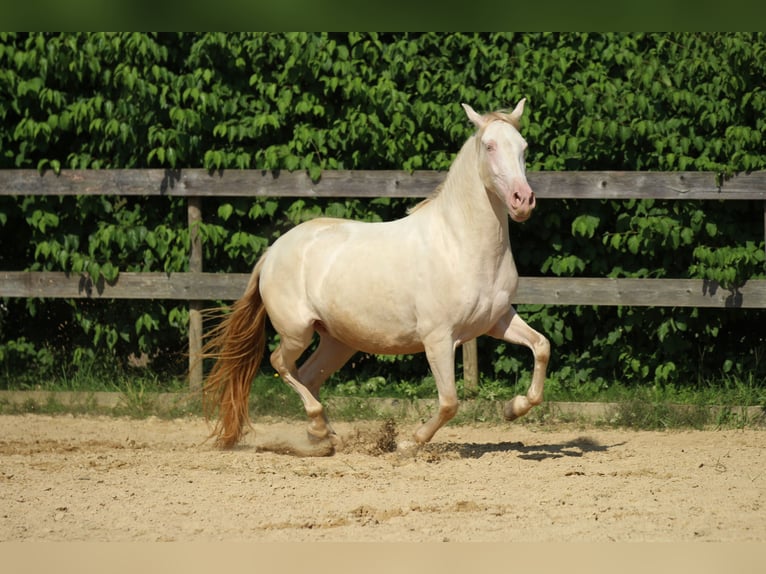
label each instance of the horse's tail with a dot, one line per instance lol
(237, 344)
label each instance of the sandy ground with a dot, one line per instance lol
(68, 478)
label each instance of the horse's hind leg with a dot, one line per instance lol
(283, 360)
(329, 356)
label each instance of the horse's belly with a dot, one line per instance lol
(371, 338)
(360, 280)
(365, 320)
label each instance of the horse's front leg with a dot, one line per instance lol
(513, 329)
(441, 359)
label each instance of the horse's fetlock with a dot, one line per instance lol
(517, 407)
(422, 436)
(317, 428)
(449, 410)
(314, 411)
(534, 399)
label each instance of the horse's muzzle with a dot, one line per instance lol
(521, 206)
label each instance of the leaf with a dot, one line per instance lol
(597, 101)
(225, 210)
(585, 225)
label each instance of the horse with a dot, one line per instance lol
(428, 282)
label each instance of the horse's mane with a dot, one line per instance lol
(500, 115)
(427, 200)
(488, 118)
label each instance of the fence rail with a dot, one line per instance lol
(197, 287)
(345, 183)
(532, 290)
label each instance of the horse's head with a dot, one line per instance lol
(501, 159)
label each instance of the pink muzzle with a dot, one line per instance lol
(520, 200)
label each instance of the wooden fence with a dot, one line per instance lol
(196, 287)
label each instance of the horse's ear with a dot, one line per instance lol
(473, 116)
(517, 111)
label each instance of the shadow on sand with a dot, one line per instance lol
(573, 448)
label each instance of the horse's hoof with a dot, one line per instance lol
(336, 441)
(317, 436)
(508, 413)
(407, 446)
(517, 407)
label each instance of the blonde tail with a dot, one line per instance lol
(237, 344)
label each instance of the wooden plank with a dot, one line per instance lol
(341, 183)
(129, 285)
(646, 185)
(230, 183)
(89, 182)
(639, 292)
(371, 184)
(532, 290)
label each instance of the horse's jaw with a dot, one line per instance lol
(520, 216)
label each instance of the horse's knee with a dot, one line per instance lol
(542, 350)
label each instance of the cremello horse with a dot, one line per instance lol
(430, 281)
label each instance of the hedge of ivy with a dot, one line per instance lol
(323, 101)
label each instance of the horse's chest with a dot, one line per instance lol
(495, 294)
(475, 303)
(493, 303)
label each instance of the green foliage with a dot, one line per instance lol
(323, 101)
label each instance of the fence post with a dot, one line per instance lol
(195, 307)
(470, 366)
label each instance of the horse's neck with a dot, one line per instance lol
(470, 211)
